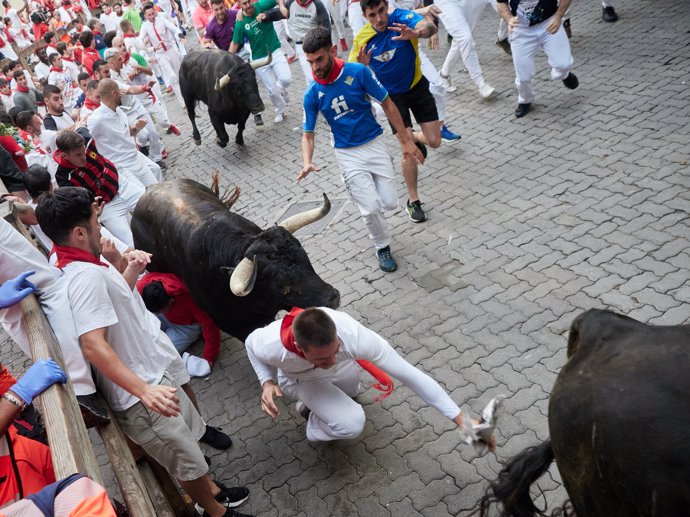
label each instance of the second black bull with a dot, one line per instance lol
(238, 273)
(227, 85)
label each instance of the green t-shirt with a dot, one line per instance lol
(133, 16)
(139, 59)
(261, 35)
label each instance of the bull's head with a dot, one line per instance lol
(245, 83)
(244, 276)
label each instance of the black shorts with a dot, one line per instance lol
(419, 101)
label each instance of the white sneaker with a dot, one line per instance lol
(486, 91)
(445, 82)
(279, 118)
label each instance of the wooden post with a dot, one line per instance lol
(158, 498)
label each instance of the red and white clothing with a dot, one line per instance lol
(7, 99)
(327, 392)
(111, 22)
(162, 36)
(62, 78)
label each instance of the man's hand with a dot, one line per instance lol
(137, 261)
(110, 252)
(306, 170)
(268, 391)
(15, 290)
(554, 24)
(434, 42)
(412, 152)
(363, 56)
(161, 399)
(140, 124)
(405, 33)
(513, 23)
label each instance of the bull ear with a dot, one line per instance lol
(243, 278)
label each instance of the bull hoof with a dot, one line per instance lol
(221, 143)
(240, 145)
(197, 141)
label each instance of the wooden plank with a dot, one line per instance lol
(181, 503)
(157, 496)
(126, 472)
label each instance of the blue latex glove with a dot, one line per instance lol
(16, 289)
(42, 375)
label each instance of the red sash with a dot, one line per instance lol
(159, 37)
(385, 384)
(68, 254)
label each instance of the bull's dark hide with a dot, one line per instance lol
(619, 420)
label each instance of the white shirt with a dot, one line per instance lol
(62, 121)
(111, 22)
(100, 298)
(42, 70)
(110, 130)
(266, 353)
(12, 15)
(167, 34)
(65, 82)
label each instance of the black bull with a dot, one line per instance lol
(191, 233)
(619, 421)
(226, 84)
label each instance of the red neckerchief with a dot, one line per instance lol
(129, 35)
(338, 65)
(67, 59)
(53, 45)
(305, 3)
(68, 254)
(91, 105)
(386, 384)
(9, 36)
(23, 89)
(56, 69)
(5, 94)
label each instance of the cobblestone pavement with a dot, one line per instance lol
(583, 203)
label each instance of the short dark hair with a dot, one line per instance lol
(24, 119)
(83, 76)
(316, 39)
(217, 1)
(67, 141)
(92, 85)
(60, 211)
(313, 328)
(85, 38)
(48, 36)
(17, 74)
(36, 180)
(91, 24)
(364, 4)
(50, 89)
(98, 64)
(61, 48)
(53, 57)
(146, 7)
(155, 296)
(108, 38)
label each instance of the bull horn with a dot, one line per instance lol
(264, 61)
(222, 82)
(243, 278)
(297, 221)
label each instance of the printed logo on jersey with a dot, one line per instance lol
(409, 16)
(340, 107)
(349, 79)
(385, 56)
(321, 94)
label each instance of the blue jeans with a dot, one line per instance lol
(181, 335)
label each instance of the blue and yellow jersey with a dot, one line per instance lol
(395, 62)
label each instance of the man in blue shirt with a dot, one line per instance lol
(389, 45)
(339, 92)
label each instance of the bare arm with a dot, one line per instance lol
(99, 353)
(234, 47)
(307, 155)
(556, 19)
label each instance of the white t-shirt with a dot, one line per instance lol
(110, 130)
(66, 83)
(266, 353)
(100, 298)
(111, 22)
(42, 70)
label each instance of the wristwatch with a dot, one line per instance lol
(14, 400)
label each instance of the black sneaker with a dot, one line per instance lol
(415, 212)
(231, 497)
(505, 45)
(217, 439)
(571, 81)
(608, 14)
(230, 513)
(522, 109)
(258, 120)
(386, 261)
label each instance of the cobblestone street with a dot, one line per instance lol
(583, 203)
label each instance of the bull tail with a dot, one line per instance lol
(512, 488)
(229, 197)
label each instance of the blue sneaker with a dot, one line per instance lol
(448, 136)
(386, 261)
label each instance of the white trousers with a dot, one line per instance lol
(145, 172)
(169, 62)
(334, 415)
(276, 78)
(367, 172)
(525, 42)
(116, 216)
(281, 30)
(462, 46)
(356, 18)
(435, 86)
(304, 64)
(148, 136)
(156, 110)
(334, 10)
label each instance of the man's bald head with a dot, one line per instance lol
(106, 88)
